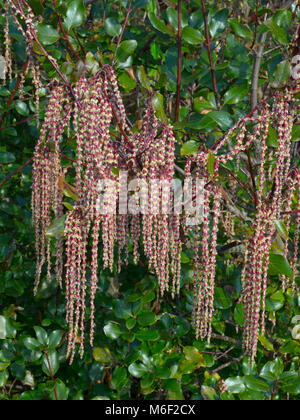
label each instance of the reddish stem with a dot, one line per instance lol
(16, 171)
(208, 45)
(179, 70)
(51, 374)
(129, 10)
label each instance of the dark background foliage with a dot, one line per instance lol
(145, 347)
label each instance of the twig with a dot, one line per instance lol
(226, 339)
(251, 170)
(256, 69)
(226, 365)
(65, 36)
(122, 32)
(208, 45)
(179, 69)
(16, 171)
(51, 374)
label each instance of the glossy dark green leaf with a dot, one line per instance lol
(272, 370)
(147, 335)
(125, 50)
(146, 319)
(55, 338)
(112, 331)
(159, 24)
(112, 27)
(50, 363)
(241, 30)
(256, 384)
(47, 34)
(236, 385)
(192, 35)
(235, 94)
(279, 265)
(42, 336)
(138, 370)
(75, 14)
(119, 378)
(22, 108)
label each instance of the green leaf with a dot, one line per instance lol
(282, 74)
(146, 319)
(138, 370)
(158, 106)
(189, 148)
(31, 343)
(296, 133)
(53, 360)
(266, 343)
(275, 302)
(159, 25)
(211, 163)
(256, 384)
(112, 330)
(119, 379)
(6, 328)
(127, 83)
(281, 229)
(130, 323)
(279, 265)
(143, 78)
(174, 389)
(75, 14)
(272, 140)
(57, 228)
(172, 15)
(112, 27)
(42, 336)
(62, 391)
(235, 385)
(192, 36)
(147, 335)
(2, 328)
(6, 157)
(4, 375)
(222, 299)
(241, 30)
(272, 370)
(222, 118)
(235, 94)
(219, 22)
(36, 6)
(125, 50)
(55, 338)
(193, 355)
(47, 34)
(278, 33)
(239, 314)
(22, 108)
(102, 355)
(290, 383)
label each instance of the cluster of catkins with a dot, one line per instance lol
(272, 207)
(90, 110)
(148, 156)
